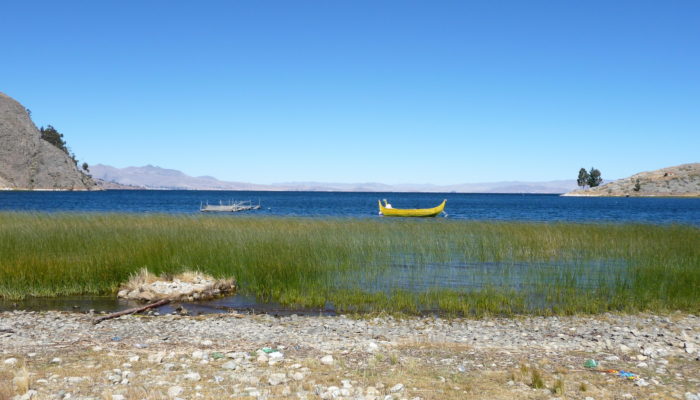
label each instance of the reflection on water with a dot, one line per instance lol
(477, 275)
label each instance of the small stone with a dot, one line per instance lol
(689, 347)
(372, 347)
(156, 358)
(11, 361)
(118, 397)
(276, 379)
(396, 388)
(230, 365)
(612, 358)
(297, 376)
(134, 359)
(175, 391)
(193, 376)
(625, 349)
(198, 354)
(589, 398)
(327, 360)
(28, 395)
(207, 343)
(56, 360)
(642, 365)
(641, 382)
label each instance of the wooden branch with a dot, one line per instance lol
(132, 310)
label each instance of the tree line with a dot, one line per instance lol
(590, 178)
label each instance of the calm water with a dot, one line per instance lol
(502, 207)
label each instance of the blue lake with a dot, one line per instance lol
(496, 207)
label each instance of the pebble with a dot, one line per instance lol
(175, 391)
(327, 360)
(230, 365)
(193, 376)
(11, 361)
(276, 379)
(396, 388)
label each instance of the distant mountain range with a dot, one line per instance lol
(152, 177)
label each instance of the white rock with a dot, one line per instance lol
(56, 360)
(156, 358)
(689, 347)
(396, 388)
(11, 361)
(207, 343)
(276, 356)
(198, 354)
(118, 397)
(625, 349)
(29, 394)
(642, 365)
(134, 359)
(691, 396)
(193, 376)
(297, 376)
(372, 347)
(175, 391)
(327, 360)
(230, 365)
(641, 382)
(276, 379)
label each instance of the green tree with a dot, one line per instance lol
(594, 178)
(582, 180)
(86, 167)
(51, 135)
(637, 186)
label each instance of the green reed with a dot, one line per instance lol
(309, 262)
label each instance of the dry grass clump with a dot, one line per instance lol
(140, 279)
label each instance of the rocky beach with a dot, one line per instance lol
(56, 355)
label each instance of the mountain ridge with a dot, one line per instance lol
(153, 177)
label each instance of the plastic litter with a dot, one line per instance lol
(590, 363)
(269, 350)
(116, 339)
(623, 374)
(217, 355)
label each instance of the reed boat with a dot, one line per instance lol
(387, 211)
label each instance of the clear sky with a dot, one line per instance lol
(363, 91)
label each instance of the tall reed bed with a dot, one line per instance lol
(541, 268)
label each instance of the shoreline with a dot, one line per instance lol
(423, 358)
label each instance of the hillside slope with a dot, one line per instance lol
(679, 181)
(28, 162)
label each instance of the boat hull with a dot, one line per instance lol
(415, 212)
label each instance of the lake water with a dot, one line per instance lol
(500, 207)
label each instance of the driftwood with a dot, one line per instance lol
(132, 310)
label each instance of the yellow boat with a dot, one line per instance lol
(387, 211)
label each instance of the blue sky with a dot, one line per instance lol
(359, 91)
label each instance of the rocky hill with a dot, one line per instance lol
(27, 162)
(679, 181)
